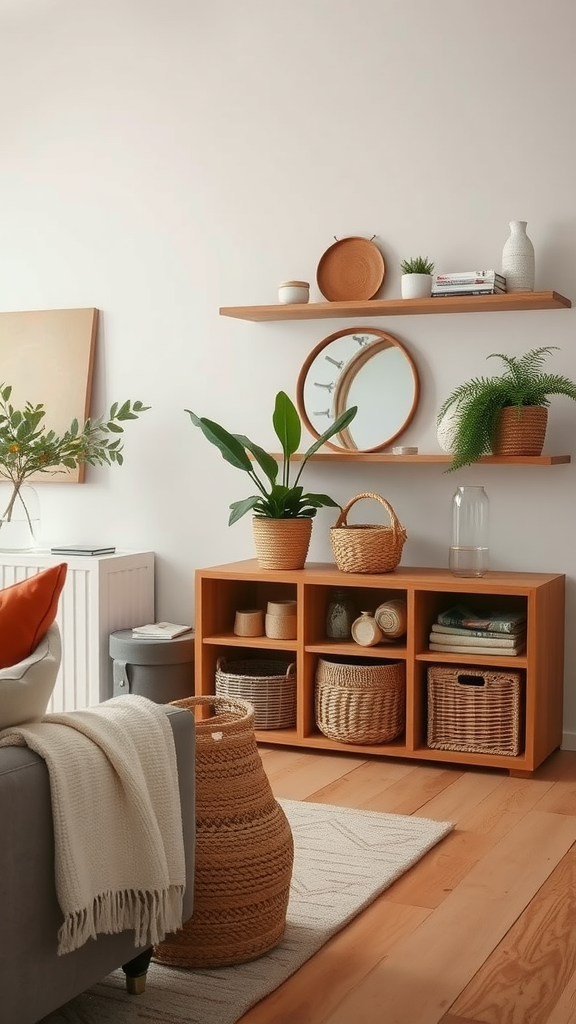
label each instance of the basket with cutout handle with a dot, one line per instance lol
(367, 547)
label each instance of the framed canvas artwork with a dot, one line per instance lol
(48, 357)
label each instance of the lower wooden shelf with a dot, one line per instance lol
(223, 589)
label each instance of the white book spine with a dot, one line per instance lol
(461, 649)
(472, 641)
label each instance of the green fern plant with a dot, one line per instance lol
(417, 265)
(476, 404)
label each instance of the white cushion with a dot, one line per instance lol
(26, 688)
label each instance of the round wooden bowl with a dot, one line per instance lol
(351, 269)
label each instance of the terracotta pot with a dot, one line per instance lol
(521, 431)
(281, 543)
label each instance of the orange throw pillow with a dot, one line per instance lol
(27, 610)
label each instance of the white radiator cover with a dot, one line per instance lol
(102, 593)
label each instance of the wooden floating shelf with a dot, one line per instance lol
(490, 460)
(401, 307)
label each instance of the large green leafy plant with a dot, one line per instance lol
(475, 406)
(277, 498)
(28, 447)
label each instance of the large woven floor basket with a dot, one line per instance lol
(360, 702)
(367, 547)
(244, 846)
(270, 686)
(476, 711)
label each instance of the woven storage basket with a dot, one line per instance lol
(244, 846)
(270, 686)
(367, 548)
(476, 711)
(360, 702)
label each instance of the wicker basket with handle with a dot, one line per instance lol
(269, 686)
(367, 547)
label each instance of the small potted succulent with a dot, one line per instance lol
(505, 415)
(282, 511)
(416, 279)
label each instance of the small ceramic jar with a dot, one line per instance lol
(340, 615)
(366, 631)
(293, 291)
(283, 606)
(249, 622)
(281, 627)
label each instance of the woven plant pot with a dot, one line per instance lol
(244, 846)
(281, 543)
(521, 431)
(360, 702)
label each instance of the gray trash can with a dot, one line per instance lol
(162, 670)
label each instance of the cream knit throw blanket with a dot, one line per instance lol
(119, 852)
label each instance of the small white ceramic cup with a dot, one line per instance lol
(293, 291)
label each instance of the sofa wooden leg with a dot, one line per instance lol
(136, 970)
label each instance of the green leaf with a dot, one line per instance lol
(240, 508)
(230, 448)
(266, 462)
(339, 424)
(286, 422)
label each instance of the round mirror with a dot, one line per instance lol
(364, 367)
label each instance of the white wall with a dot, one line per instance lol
(161, 158)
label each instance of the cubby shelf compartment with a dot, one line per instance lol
(400, 307)
(219, 589)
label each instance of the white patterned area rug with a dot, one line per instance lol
(343, 859)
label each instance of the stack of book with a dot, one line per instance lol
(459, 630)
(469, 282)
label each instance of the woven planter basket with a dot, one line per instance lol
(244, 846)
(281, 543)
(367, 548)
(362, 701)
(269, 686)
(474, 711)
(521, 431)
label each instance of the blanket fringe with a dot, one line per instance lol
(151, 914)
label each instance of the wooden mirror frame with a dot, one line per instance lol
(380, 341)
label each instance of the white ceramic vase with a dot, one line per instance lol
(416, 286)
(518, 259)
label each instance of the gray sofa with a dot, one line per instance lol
(34, 980)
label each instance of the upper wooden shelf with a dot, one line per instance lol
(492, 460)
(400, 307)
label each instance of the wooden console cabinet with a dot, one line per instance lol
(222, 589)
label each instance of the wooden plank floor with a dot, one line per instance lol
(481, 931)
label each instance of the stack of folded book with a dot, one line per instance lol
(459, 630)
(469, 282)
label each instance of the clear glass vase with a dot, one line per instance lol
(19, 517)
(469, 541)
